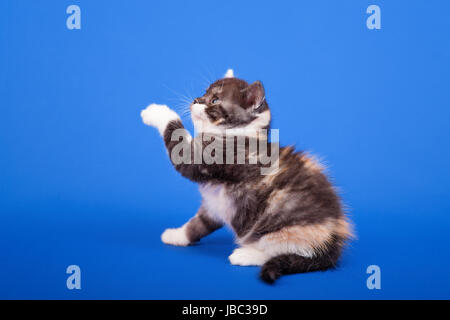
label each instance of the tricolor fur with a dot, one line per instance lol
(290, 221)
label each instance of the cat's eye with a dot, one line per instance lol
(215, 101)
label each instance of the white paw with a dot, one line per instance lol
(159, 116)
(247, 257)
(175, 237)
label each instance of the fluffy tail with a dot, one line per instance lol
(293, 263)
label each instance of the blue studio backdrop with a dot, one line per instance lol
(83, 182)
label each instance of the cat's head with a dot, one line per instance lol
(231, 103)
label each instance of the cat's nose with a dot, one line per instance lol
(199, 100)
(196, 100)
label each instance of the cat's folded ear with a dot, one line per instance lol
(253, 95)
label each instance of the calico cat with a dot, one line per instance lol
(288, 221)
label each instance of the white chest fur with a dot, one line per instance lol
(217, 202)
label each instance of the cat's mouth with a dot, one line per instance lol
(198, 111)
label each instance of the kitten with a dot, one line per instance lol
(288, 221)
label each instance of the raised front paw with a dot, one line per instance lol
(175, 237)
(159, 116)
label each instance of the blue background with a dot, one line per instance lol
(83, 181)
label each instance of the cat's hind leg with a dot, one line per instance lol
(192, 231)
(248, 256)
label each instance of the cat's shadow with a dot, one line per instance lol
(220, 246)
